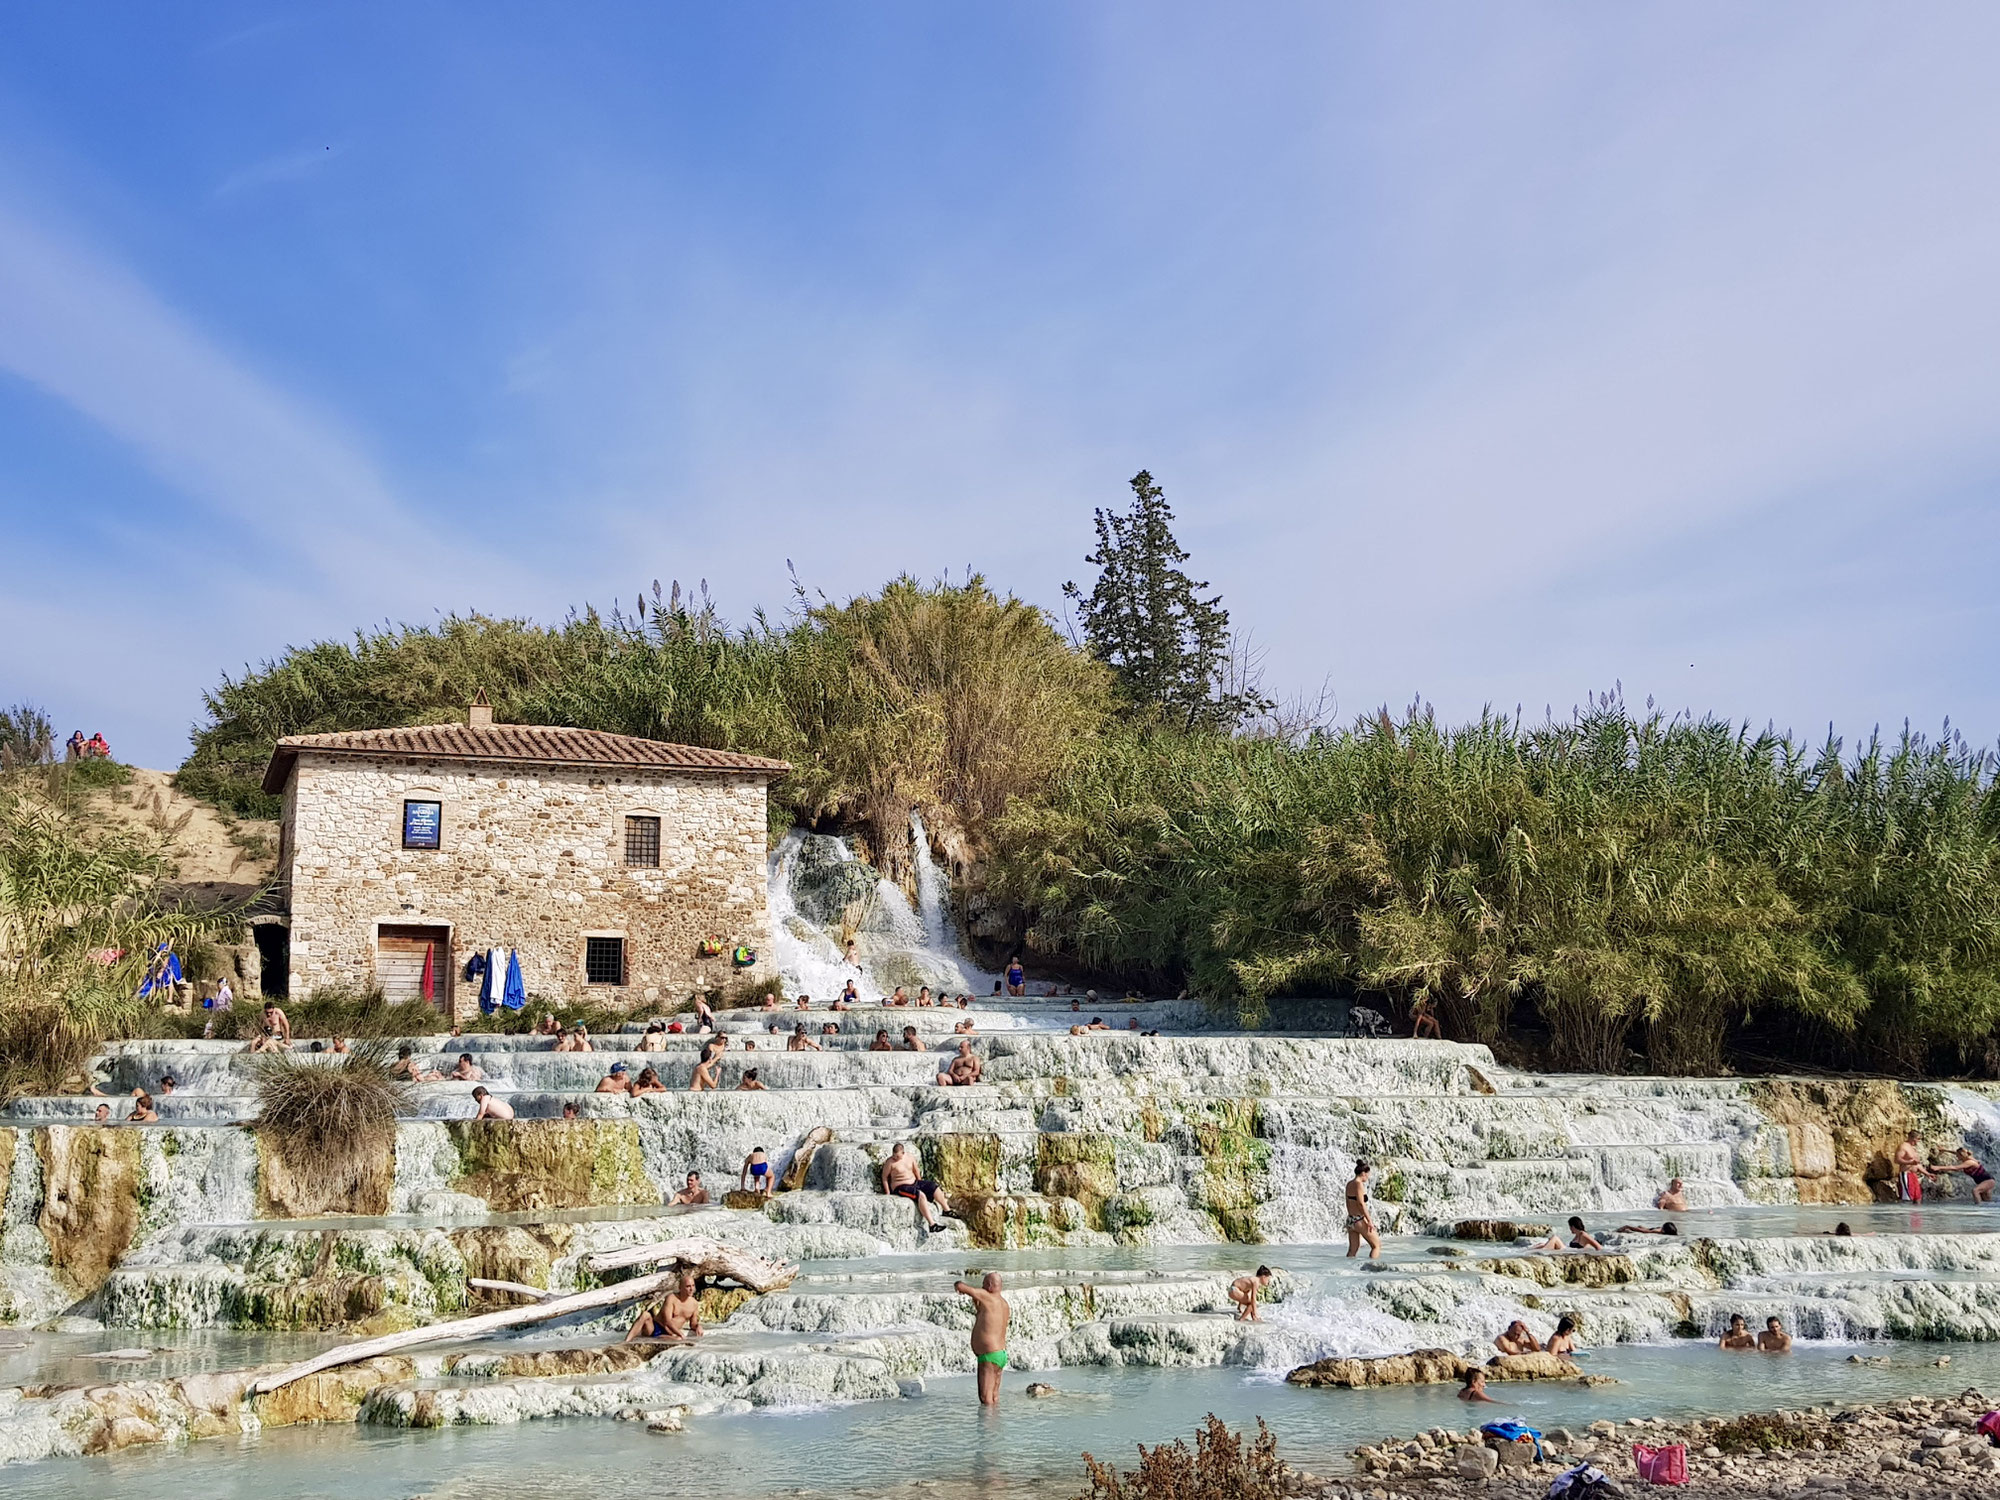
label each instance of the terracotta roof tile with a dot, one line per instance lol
(529, 744)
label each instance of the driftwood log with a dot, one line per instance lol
(533, 1293)
(703, 1257)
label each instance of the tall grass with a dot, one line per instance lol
(332, 1118)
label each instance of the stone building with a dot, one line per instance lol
(611, 864)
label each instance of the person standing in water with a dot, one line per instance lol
(1360, 1217)
(990, 1314)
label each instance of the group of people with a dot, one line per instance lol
(1913, 1170)
(79, 748)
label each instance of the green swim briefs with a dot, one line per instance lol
(997, 1357)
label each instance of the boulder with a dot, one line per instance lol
(1505, 1231)
(1476, 1461)
(1538, 1366)
(1421, 1367)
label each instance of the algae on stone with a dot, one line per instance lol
(90, 1199)
(535, 1164)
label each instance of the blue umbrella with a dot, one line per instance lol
(486, 981)
(516, 994)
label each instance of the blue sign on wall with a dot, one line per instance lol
(422, 823)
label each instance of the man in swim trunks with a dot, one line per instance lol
(756, 1173)
(1360, 1218)
(1774, 1339)
(1673, 1199)
(693, 1195)
(900, 1180)
(1910, 1169)
(677, 1317)
(989, 1333)
(1739, 1338)
(964, 1068)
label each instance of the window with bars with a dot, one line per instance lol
(642, 843)
(604, 960)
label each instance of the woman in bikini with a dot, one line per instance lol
(1975, 1173)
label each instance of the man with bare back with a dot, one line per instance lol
(989, 1333)
(901, 1180)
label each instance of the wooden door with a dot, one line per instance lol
(399, 963)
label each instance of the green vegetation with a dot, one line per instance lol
(83, 906)
(331, 1118)
(1578, 892)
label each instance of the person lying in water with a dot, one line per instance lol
(1517, 1338)
(678, 1315)
(1670, 1227)
(1579, 1239)
(1739, 1338)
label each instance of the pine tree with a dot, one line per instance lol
(1164, 637)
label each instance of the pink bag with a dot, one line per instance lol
(1668, 1465)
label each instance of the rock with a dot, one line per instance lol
(1604, 1429)
(1517, 1455)
(1040, 1388)
(665, 1421)
(1505, 1231)
(1942, 1360)
(1476, 1461)
(1539, 1366)
(1422, 1367)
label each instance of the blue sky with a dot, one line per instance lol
(1493, 353)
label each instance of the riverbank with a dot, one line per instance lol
(1916, 1445)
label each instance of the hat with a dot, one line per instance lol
(618, 1067)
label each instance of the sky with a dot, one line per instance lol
(1493, 354)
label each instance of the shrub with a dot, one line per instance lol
(333, 1115)
(1219, 1468)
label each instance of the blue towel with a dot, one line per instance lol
(487, 979)
(516, 994)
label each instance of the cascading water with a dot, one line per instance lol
(821, 897)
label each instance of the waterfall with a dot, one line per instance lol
(807, 959)
(930, 889)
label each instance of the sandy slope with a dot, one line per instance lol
(208, 855)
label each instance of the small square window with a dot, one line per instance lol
(423, 823)
(642, 843)
(603, 960)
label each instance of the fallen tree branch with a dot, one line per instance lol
(703, 1257)
(539, 1294)
(465, 1328)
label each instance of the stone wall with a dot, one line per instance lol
(531, 858)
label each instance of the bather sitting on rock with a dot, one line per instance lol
(1774, 1339)
(615, 1082)
(491, 1108)
(831, 1028)
(1474, 1388)
(465, 1070)
(899, 998)
(1668, 1228)
(1739, 1338)
(275, 1035)
(692, 1195)
(751, 1083)
(964, 1068)
(900, 1180)
(1518, 1338)
(406, 1066)
(1243, 1292)
(1562, 1343)
(677, 1317)
(882, 1042)
(648, 1082)
(800, 1042)
(1672, 1199)
(964, 1028)
(655, 1039)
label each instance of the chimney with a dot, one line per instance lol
(480, 714)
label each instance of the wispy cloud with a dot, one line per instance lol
(292, 166)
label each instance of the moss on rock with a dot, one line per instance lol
(289, 1189)
(532, 1164)
(1841, 1134)
(331, 1395)
(90, 1199)
(1080, 1167)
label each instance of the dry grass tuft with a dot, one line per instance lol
(1221, 1467)
(331, 1116)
